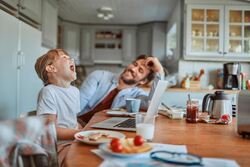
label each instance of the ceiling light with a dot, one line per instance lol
(110, 15)
(100, 15)
(105, 13)
(106, 18)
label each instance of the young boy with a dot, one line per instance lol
(58, 100)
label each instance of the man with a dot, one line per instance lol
(103, 90)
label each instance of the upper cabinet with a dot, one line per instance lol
(128, 46)
(107, 45)
(237, 31)
(41, 14)
(217, 33)
(152, 39)
(29, 11)
(71, 40)
(11, 4)
(49, 23)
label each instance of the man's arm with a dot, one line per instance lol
(154, 64)
(88, 88)
(145, 99)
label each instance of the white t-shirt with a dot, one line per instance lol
(63, 102)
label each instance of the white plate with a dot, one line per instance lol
(106, 149)
(119, 113)
(83, 136)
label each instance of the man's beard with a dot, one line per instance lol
(130, 81)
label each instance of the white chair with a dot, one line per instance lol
(26, 114)
(29, 141)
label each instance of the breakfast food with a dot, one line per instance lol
(129, 146)
(97, 136)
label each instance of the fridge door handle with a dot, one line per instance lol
(20, 59)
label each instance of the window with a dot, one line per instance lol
(171, 41)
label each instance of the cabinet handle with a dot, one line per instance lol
(220, 52)
(224, 52)
(20, 60)
(20, 6)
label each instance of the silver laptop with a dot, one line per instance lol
(128, 124)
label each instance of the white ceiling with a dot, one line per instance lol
(125, 11)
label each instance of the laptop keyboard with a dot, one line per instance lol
(128, 123)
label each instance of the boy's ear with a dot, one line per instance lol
(50, 68)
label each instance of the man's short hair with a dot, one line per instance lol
(151, 76)
(46, 60)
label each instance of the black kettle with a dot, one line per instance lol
(217, 104)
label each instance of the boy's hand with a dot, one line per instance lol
(154, 64)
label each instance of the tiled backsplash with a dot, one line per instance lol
(191, 67)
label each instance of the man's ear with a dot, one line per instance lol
(50, 68)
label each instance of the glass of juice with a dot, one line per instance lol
(192, 111)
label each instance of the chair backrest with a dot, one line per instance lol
(26, 114)
(29, 141)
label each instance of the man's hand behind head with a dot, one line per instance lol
(154, 64)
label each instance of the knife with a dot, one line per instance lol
(165, 106)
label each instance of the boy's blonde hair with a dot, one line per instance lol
(43, 61)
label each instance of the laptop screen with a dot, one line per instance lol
(156, 99)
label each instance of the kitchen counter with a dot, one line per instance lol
(202, 90)
(196, 90)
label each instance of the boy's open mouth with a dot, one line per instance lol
(72, 68)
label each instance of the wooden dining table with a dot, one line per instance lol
(203, 139)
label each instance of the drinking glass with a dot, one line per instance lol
(192, 111)
(145, 126)
(133, 105)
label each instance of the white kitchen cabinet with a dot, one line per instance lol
(49, 23)
(237, 31)
(217, 32)
(31, 9)
(152, 40)
(20, 45)
(8, 67)
(107, 45)
(129, 46)
(144, 41)
(87, 36)
(205, 30)
(12, 3)
(71, 40)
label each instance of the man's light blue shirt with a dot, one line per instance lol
(100, 83)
